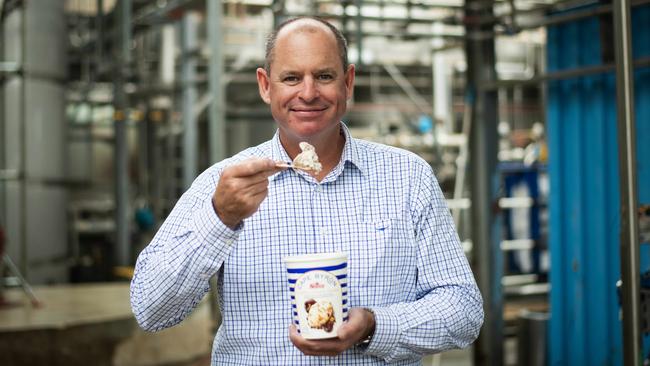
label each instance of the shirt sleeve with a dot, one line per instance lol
(448, 312)
(172, 273)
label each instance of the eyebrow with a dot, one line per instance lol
(283, 74)
(327, 70)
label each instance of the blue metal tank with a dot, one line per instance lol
(585, 327)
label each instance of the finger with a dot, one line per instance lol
(252, 166)
(321, 347)
(244, 185)
(294, 336)
(261, 176)
(301, 343)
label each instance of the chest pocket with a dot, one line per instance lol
(382, 259)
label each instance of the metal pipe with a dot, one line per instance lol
(564, 74)
(217, 112)
(9, 67)
(345, 17)
(121, 117)
(188, 76)
(3, 140)
(489, 33)
(579, 14)
(630, 272)
(23, 146)
(27, 288)
(160, 15)
(461, 160)
(359, 31)
(7, 174)
(412, 4)
(99, 23)
(408, 88)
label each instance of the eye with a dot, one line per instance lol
(290, 79)
(325, 77)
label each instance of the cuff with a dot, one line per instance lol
(213, 231)
(386, 336)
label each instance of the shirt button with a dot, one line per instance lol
(318, 188)
(230, 241)
(323, 231)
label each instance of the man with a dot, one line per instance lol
(411, 290)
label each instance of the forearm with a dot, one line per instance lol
(446, 318)
(171, 274)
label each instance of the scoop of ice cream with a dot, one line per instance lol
(319, 314)
(307, 159)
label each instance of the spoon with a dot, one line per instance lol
(293, 166)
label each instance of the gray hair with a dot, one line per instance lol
(340, 41)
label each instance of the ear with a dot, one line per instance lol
(349, 81)
(264, 85)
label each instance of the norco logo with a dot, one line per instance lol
(316, 285)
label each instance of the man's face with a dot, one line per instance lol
(307, 87)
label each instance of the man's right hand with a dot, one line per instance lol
(241, 189)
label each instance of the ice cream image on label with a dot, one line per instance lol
(320, 314)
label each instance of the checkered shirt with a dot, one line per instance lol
(381, 205)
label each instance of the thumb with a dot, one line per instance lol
(346, 330)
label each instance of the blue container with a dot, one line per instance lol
(585, 328)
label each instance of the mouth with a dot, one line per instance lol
(308, 112)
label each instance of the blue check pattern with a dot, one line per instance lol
(381, 205)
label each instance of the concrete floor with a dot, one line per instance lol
(465, 357)
(92, 324)
(73, 309)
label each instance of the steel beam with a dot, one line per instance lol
(121, 118)
(630, 272)
(487, 255)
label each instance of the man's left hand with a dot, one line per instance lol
(360, 324)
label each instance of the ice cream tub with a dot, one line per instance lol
(318, 285)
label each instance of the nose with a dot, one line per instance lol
(309, 90)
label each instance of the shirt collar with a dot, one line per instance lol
(350, 151)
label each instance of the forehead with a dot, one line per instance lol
(307, 25)
(303, 42)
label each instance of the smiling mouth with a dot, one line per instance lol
(308, 113)
(308, 110)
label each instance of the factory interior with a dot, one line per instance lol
(533, 114)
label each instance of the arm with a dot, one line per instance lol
(172, 272)
(448, 313)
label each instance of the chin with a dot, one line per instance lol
(307, 129)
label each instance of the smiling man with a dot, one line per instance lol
(411, 290)
(307, 86)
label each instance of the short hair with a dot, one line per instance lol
(341, 43)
